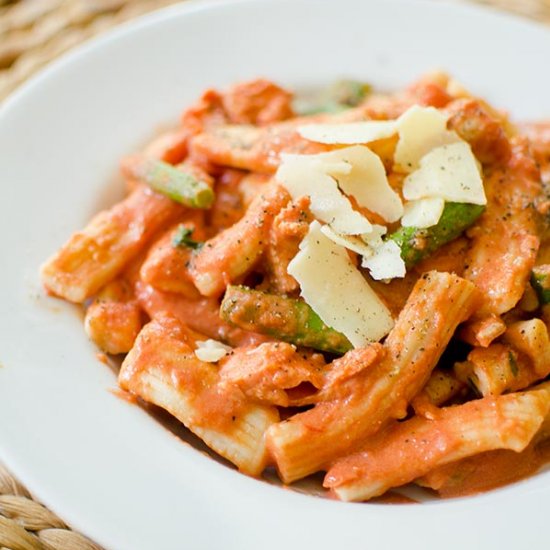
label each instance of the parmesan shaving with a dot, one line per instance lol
(386, 262)
(365, 245)
(334, 168)
(367, 181)
(359, 172)
(336, 290)
(423, 212)
(421, 129)
(449, 172)
(374, 238)
(304, 175)
(356, 244)
(349, 133)
(211, 351)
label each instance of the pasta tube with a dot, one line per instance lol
(233, 252)
(514, 364)
(531, 338)
(485, 471)
(252, 148)
(163, 369)
(98, 253)
(408, 450)
(494, 370)
(113, 320)
(482, 332)
(309, 441)
(440, 388)
(166, 264)
(506, 238)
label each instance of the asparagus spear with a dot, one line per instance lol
(540, 280)
(349, 92)
(342, 95)
(284, 318)
(175, 183)
(416, 244)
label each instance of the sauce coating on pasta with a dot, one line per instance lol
(357, 285)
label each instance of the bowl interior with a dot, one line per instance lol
(90, 455)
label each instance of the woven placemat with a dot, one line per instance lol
(32, 33)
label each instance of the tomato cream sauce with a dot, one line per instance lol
(155, 295)
(487, 471)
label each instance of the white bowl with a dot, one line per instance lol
(106, 466)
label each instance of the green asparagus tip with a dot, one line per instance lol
(281, 317)
(349, 92)
(340, 96)
(183, 238)
(174, 182)
(417, 244)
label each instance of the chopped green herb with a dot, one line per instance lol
(182, 238)
(513, 363)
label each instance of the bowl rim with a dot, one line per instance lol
(157, 18)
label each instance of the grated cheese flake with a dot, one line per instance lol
(374, 238)
(421, 129)
(305, 175)
(449, 172)
(351, 242)
(367, 181)
(386, 262)
(357, 171)
(211, 351)
(337, 291)
(349, 133)
(423, 213)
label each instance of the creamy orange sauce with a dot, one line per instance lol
(487, 471)
(506, 238)
(342, 415)
(169, 346)
(269, 373)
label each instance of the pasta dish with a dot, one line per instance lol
(356, 283)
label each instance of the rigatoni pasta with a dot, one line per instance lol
(162, 368)
(412, 448)
(358, 285)
(310, 441)
(98, 253)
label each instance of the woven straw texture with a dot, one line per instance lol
(33, 33)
